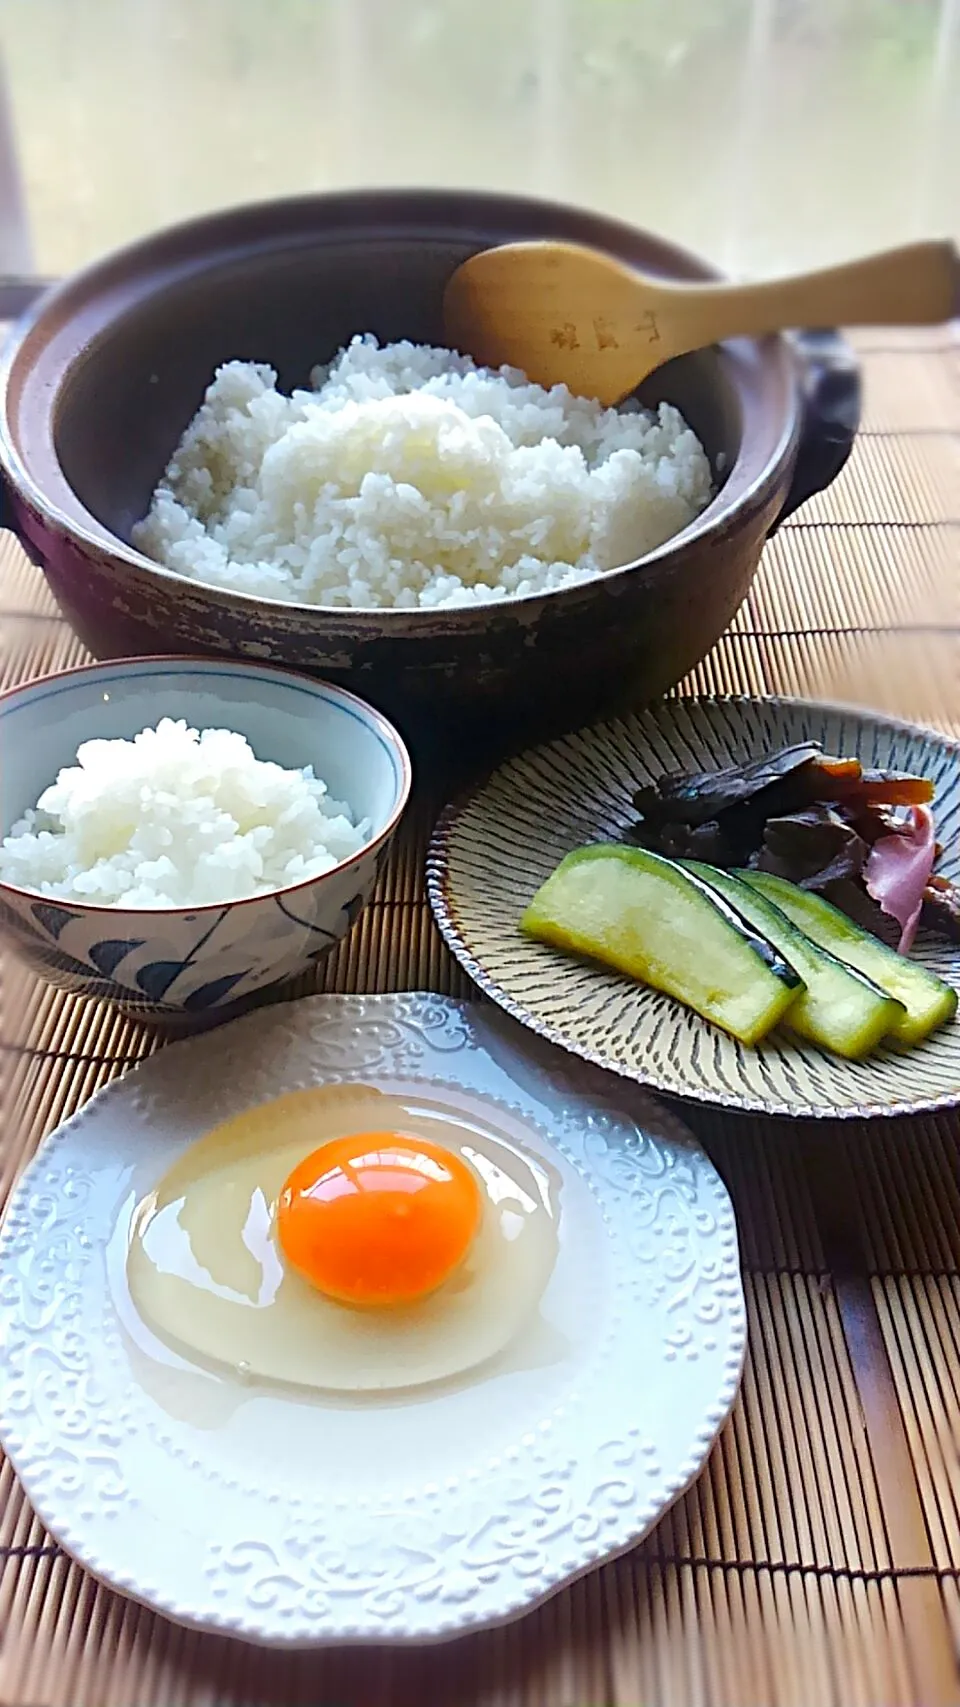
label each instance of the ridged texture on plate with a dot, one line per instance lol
(490, 854)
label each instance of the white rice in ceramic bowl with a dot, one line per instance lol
(408, 477)
(177, 817)
(179, 835)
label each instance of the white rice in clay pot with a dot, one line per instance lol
(409, 477)
(177, 818)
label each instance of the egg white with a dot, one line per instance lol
(207, 1275)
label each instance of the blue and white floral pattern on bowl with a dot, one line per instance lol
(194, 966)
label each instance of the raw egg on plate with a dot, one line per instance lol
(341, 1238)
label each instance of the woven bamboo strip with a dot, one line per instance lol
(826, 1480)
(920, 1322)
(25, 592)
(905, 480)
(908, 1188)
(904, 391)
(36, 1016)
(764, 1171)
(790, 1480)
(903, 675)
(685, 1637)
(885, 577)
(907, 395)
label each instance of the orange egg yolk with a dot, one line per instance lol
(378, 1218)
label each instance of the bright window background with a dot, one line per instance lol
(765, 133)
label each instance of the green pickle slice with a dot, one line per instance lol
(645, 916)
(927, 1001)
(840, 1009)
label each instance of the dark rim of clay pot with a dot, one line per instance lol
(172, 252)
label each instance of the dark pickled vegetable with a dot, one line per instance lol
(798, 814)
(781, 782)
(941, 908)
(815, 848)
(697, 797)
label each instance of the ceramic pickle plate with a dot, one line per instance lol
(490, 853)
(291, 1518)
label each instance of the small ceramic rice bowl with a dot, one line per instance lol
(184, 968)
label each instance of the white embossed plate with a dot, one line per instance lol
(297, 1520)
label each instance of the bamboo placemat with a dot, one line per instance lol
(816, 1563)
